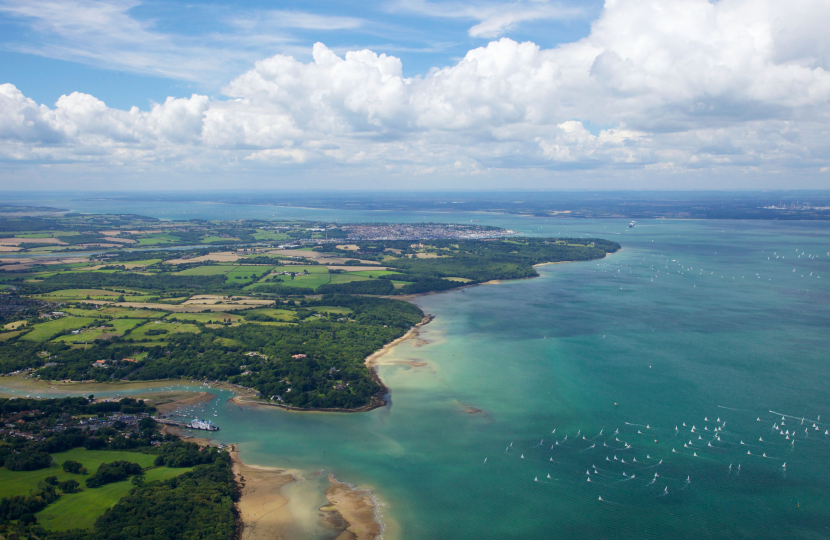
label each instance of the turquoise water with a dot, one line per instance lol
(600, 346)
(711, 324)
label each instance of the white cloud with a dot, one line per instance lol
(675, 86)
(105, 33)
(495, 18)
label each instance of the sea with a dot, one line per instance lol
(675, 389)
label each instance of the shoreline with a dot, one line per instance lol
(377, 400)
(265, 513)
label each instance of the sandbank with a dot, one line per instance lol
(356, 507)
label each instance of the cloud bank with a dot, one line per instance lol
(658, 85)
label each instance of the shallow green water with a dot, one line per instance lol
(692, 322)
(600, 346)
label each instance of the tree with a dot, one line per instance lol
(69, 486)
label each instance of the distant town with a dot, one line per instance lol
(421, 231)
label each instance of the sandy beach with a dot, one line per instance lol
(356, 507)
(267, 514)
(371, 360)
(262, 506)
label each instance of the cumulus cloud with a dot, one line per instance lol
(657, 85)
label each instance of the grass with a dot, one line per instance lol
(80, 293)
(227, 342)
(8, 335)
(172, 328)
(119, 326)
(146, 262)
(216, 239)
(281, 314)
(375, 273)
(47, 330)
(126, 313)
(269, 235)
(311, 268)
(311, 281)
(80, 510)
(242, 274)
(157, 239)
(347, 278)
(205, 317)
(20, 482)
(210, 270)
(331, 309)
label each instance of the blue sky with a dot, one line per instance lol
(526, 94)
(42, 60)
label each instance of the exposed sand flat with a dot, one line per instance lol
(356, 507)
(222, 256)
(262, 507)
(170, 401)
(372, 359)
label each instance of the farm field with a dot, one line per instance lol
(210, 270)
(205, 317)
(167, 328)
(282, 314)
(119, 326)
(375, 273)
(20, 482)
(126, 313)
(332, 309)
(46, 330)
(157, 239)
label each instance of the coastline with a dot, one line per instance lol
(265, 513)
(377, 400)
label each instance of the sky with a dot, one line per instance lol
(414, 94)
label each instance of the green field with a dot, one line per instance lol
(20, 482)
(216, 239)
(205, 317)
(157, 239)
(311, 268)
(281, 314)
(119, 326)
(227, 342)
(127, 313)
(146, 262)
(347, 278)
(242, 274)
(311, 281)
(330, 309)
(81, 293)
(47, 330)
(172, 328)
(375, 273)
(80, 510)
(270, 235)
(211, 270)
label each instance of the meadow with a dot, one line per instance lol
(46, 330)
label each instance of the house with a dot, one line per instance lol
(298, 356)
(129, 360)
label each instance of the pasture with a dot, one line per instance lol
(46, 330)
